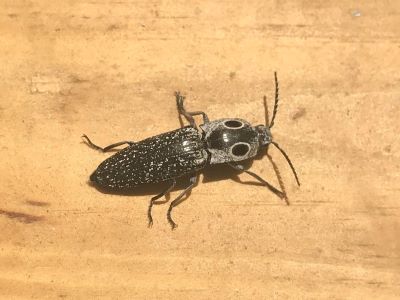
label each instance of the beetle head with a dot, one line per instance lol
(264, 135)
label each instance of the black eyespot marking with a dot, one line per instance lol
(233, 124)
(240, 149)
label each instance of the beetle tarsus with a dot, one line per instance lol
(90, 144)
(178, 200)
(149, 214)
(170, 221)
(105, 149)
(187, 114)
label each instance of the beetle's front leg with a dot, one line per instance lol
(178, 200)
(105, 149)
(189, 115)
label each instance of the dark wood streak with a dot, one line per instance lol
(21, 217)
(37, 203)
(299, 113)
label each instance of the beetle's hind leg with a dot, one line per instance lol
(105, 149)
(155, 198)
(178, 200)
(189, 115)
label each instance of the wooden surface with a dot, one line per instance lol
(109, 69)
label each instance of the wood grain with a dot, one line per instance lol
(109, 69)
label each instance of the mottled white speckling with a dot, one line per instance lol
(156, 159)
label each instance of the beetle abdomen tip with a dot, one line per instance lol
(93, 177)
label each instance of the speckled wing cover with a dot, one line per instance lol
(156, 159)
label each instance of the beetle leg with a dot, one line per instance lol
(105, 149)
(153, 200)
(178, 200)
(189, 115)
(196, 113)
(264, 182)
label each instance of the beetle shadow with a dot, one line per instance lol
(210, 174)
(279, 177)
(224, 172)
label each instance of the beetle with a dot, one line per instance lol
(186, 151)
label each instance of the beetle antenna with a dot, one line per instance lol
(266, 111)
(276, 100)
(288, 160)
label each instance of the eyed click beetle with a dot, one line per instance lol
(186, 151)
